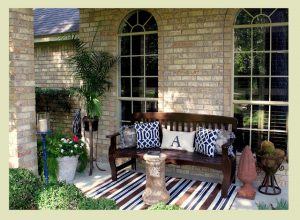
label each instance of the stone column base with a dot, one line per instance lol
(155, 190)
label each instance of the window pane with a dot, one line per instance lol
(280, 15)
(151, 44)
(279, 117)
(242, 39)
(243, 18)
(138, 28)
(137, 87)
(125, 66)
(143, 17)
(242, 88)
(261, 64)
(261, 20)
(242, 64)
(126, 110)
(151, 106)
(125, 87)
(138, 106)
(280, 38)
(260, 115)
(242, 114)
(260, 88)
(151, 66)
(126, 28)
(125, 45)
(279, 64)
(268, 11)
(151, 87)
(257, 138)
(261, 38)
(133, 19)
(279, 89)
(242, 139)
(138, 45)
(280, 140)
(138, 66)
(253, 11)
(151, 25)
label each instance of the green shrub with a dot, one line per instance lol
(97, 204)
(163, 206)
(59, 196)
(23, 186)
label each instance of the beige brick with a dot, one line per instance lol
(22, 142)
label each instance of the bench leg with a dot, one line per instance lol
(225, 186)
(233, 170)
(133, 165)
(113, 168)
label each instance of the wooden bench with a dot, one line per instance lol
(176, 121)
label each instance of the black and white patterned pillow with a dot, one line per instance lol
(205, 141)
(147, 135)
(127, 136)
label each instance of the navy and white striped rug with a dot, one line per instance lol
(127, 191)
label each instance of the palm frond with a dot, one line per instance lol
(93, 68)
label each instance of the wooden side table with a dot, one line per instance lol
(155, 190)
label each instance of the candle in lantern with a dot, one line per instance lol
(43, 125)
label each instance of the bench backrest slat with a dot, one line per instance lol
(181, 121)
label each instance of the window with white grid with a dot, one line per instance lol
(260, 96)
(138, 69)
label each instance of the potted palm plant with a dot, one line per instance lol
(92, 67)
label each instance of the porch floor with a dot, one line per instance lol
(85, 182)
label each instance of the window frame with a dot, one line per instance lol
(144, 33)
(268, 103)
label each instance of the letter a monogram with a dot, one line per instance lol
(176, 140)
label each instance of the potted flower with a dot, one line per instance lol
(68, 151)
(66, 154)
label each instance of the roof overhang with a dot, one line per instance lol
(55, 37)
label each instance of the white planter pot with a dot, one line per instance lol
(67, 168)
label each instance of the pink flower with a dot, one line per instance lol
(76, 139)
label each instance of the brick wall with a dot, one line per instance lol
(22, 117)
(52, 71)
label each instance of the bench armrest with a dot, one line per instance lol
(225, 148)
(113, 143)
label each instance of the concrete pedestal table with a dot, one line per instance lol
(155, 190)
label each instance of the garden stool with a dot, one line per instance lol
(155, 190)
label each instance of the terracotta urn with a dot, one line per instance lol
(247, 174)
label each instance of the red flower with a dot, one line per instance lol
(76, 139)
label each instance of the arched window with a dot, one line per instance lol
(261, 76)
(138, 75)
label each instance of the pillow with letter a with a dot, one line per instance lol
(178, 140)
